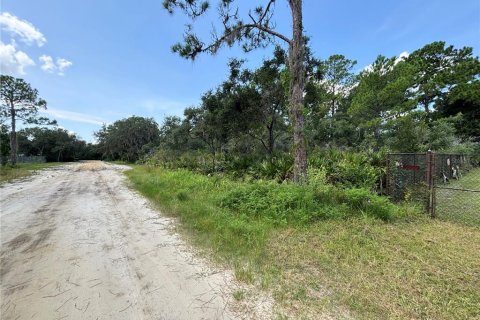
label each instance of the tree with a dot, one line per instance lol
(174, 135)
(381, 96)
(254, 102)
(438, 69)
(206, 123)
(407, 133)
(257, 32)
(128, 139)
(464, 100)
(337, 81)
(19, 101)
(329, 97)
(271, 107)
(4, 144)
(54, 144)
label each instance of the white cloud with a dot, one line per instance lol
(70, 132)
(73, 116)
(48, 65)
(24, 30)
(402, 56)
(63, 64)
(13, 61)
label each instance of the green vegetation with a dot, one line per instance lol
(19, 103)
(256, 31)
(398, 104)
(460, 206)
(23, 170)
(417, 269)
(323, 249)
(55, 144)
(128, 139)
(328, 243)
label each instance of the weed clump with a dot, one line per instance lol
(297, 204)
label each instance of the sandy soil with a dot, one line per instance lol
(77, 243)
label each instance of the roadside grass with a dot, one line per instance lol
(343, 254)
(418, 269)
(23, 170)
(460, 206)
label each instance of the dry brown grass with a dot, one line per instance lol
(91, 166)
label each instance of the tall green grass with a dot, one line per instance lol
(196, 200)
(323, 250)
(240, 215)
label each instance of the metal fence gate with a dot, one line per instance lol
(456, 189)
(448, 184)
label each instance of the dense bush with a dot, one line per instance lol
(278, 168)
(350, 169)
(196, 161)
(128, 139)
(290, 203)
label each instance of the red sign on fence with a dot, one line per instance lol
(410, 167)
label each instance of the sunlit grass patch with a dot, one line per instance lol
(403, 270)
(23, 170)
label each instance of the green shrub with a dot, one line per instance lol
(239, 166)
(196, 161)
(366, 202)
(182, 196)
(294, 204)
(350, 169)
(278, 168)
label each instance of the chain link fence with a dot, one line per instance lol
(456, 189)
(31, 159)
(447, 184)
(406, 176)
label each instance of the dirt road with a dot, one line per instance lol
(79, 244)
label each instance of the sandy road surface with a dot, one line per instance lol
(79, 244)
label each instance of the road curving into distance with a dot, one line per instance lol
(77, 243)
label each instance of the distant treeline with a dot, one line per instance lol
(55, 144)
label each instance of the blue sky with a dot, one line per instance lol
(97, 61)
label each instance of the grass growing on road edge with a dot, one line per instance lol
(23, 170)
(347, 253)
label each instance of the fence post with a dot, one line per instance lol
(387, 176)
(430, 180)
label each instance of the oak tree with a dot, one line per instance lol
(128, 139)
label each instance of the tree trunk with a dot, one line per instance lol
(271, 137)
(297, 82)
(13, 137)
(59, 155)
(426, 103)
